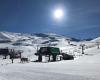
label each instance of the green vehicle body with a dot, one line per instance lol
(54, 52)
(48, 51)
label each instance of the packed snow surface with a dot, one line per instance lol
(83, 67)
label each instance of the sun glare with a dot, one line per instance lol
(58, 13)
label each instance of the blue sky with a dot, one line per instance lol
(81, 17)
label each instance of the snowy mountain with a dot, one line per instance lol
(86, 67)
(96, 39)
(25, 39)
(29, 43)
(83, 67)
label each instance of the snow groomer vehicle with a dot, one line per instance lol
(50, 54)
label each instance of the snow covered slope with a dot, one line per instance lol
(83, 67)
(96, 39)
(86, 67)
(35, 38)
(29, 43)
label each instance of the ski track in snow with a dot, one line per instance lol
(29, 73)
(63, 70)
(86, 67)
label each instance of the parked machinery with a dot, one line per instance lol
(4, 52)
(53, 52)
(48, 52)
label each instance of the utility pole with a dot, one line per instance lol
(12, 54)
(82, 47)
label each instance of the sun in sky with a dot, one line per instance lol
(58, 13)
